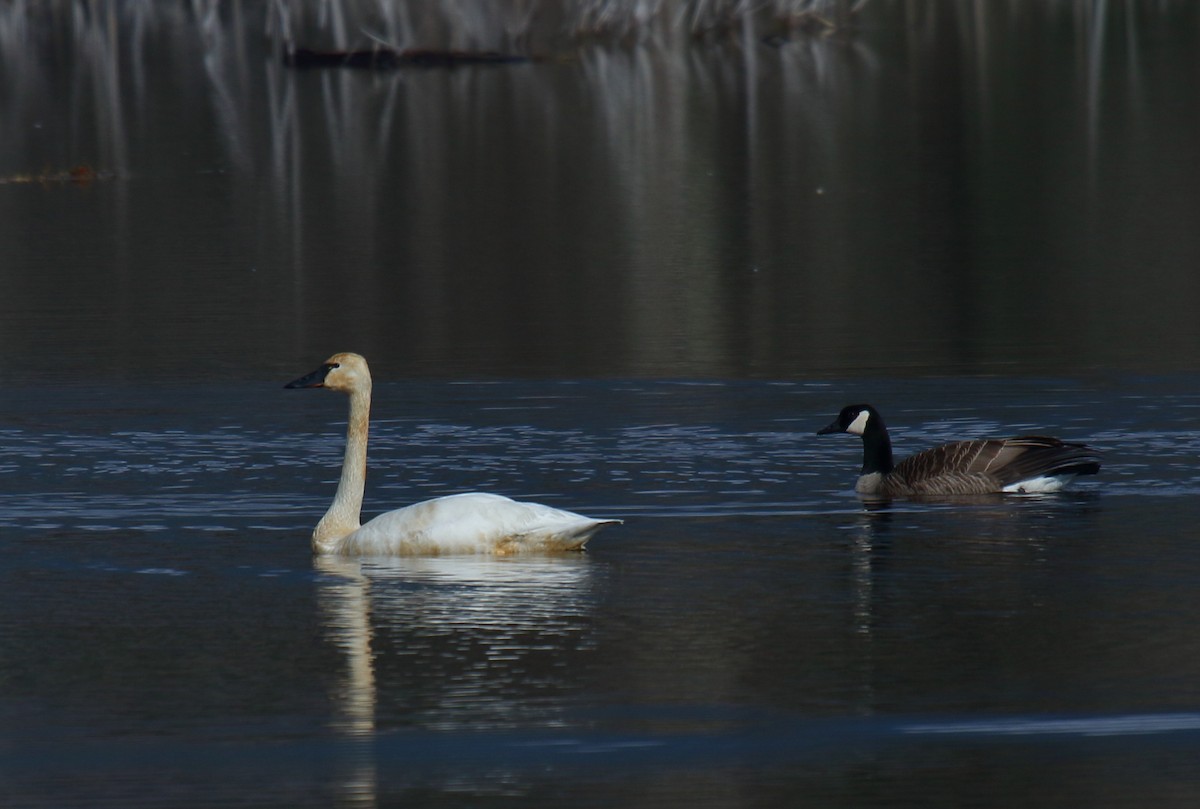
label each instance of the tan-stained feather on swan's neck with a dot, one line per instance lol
(344, 514)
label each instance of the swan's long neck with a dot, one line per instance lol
(343, 516)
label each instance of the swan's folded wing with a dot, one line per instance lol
(472, 523)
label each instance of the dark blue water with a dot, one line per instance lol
(752, 635)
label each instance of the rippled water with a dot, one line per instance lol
(752, 634)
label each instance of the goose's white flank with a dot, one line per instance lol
(474, 522)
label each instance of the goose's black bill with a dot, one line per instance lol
(853, 419)
(314, 380)
(835, 427)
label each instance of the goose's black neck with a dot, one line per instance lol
(877, 448)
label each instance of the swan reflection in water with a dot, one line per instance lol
(454, 643)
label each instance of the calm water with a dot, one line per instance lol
(632, 283)
(751, 636)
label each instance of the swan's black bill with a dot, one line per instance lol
(314, 380)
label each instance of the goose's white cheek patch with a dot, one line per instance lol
(859, 425)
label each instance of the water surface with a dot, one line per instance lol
(633, 282)
(753, 633)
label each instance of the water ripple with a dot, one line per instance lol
(661, 450)
(1130, 725)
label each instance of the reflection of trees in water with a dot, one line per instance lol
(517, 24)
(451, 644)
(721, 203)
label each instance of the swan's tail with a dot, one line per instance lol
(583, 536)
(567, 538)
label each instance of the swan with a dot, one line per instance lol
(473, 522)
(1020, 465)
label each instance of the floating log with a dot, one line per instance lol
(82, 174)
(390, 59)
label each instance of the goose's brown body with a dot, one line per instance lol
(1028, 463)
(982, 467)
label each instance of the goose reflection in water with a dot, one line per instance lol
(456, 643)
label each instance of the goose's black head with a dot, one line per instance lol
(856, 420)
(864, 421)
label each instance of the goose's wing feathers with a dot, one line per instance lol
(473, 522)
(1031, 456)
(991, 465)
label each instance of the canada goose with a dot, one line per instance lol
(462, 523)
(1025, 464)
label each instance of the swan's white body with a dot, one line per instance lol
(462, 523)
(473, 522)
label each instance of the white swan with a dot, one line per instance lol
(462, 523)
